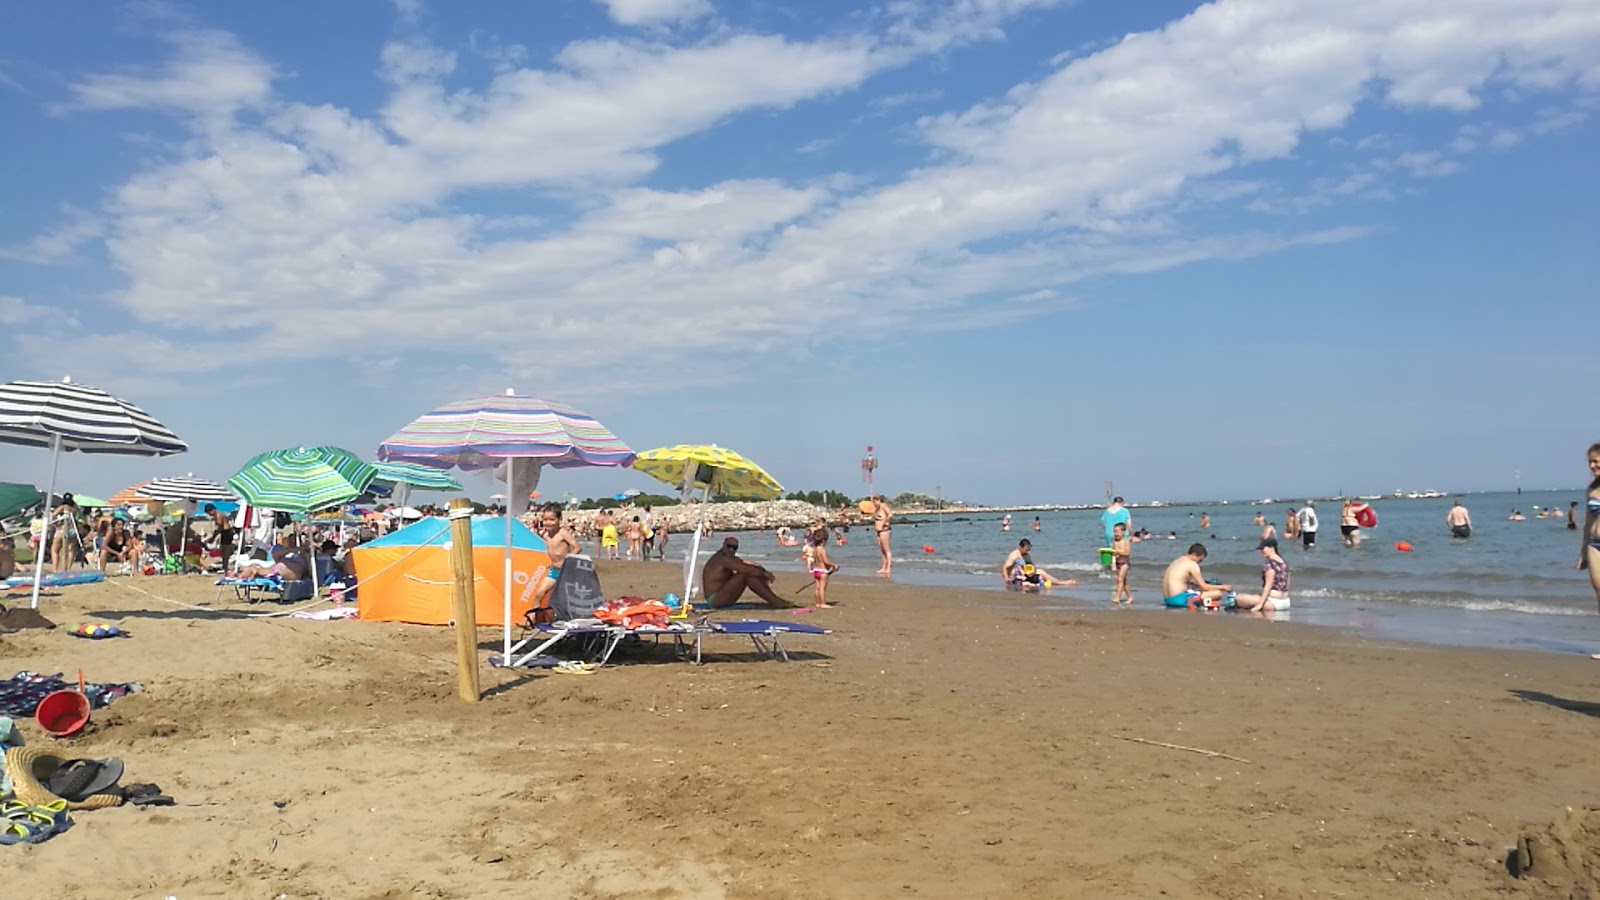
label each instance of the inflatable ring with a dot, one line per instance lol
(1366, 517)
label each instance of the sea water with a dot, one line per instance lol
(1511, 584)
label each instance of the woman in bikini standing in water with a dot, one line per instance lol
(881, 517)
(1589, 550)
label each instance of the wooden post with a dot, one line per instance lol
(463, 601)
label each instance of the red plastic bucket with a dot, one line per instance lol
(64, 713)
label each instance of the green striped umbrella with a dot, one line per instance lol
(303, 479)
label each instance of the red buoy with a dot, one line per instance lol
(927, 548)
(1402, 546)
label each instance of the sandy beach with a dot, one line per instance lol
(940, 743)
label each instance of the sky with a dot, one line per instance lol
(1021, 248)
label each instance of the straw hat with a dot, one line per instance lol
(26, 765)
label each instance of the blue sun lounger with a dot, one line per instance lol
(765, 634)
(255, 590)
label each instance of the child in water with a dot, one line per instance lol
(1121, 562)
(815, 555)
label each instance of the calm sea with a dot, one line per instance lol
(1512, 584)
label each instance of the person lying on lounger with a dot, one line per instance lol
(726, 577)
(286, 564)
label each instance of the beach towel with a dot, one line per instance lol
(20, 694)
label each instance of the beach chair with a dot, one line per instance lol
(257, 590)
(765, 634)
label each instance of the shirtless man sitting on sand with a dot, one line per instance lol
(726, 577)
(1184, 585)
(559, 543)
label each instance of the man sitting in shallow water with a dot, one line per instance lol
(1184, 585)
(1020, 574)
(726, 577)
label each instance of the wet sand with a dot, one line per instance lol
(933, 746)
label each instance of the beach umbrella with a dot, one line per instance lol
(129, 496)
(66, 417)
(302, 480)
(523, 433)
(14, 498)
(89, 501)
(715, 471)
(187, 487)
(404, 476)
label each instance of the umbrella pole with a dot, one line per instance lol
(44, 533)
(694, 548)
(505, 651)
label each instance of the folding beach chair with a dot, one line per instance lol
(765, 634)
(257, 590)
(570, 618)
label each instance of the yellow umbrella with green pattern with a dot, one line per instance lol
(715, 472)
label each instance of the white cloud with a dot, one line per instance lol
(58, 244)
(653, 12)
(210, 74)
(315, 229)
(17, 311)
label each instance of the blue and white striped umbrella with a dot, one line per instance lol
(66, 417)
(187, 487)
(69, 417)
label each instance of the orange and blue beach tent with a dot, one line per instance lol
(406, 576)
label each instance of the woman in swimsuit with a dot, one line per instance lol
(1274, 582)
(1291, 525)
(1589, 550)
(882, 516)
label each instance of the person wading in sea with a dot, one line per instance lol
(1459, 521)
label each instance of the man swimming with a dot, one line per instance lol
(1184, 585)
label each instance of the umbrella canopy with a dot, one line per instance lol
(15, 498)
(302, 479)
(719, 470)
(129, 496)
(479, 433)
(66, 417)
(415, 475)
(187, 487)
(81, 418)
(485, 431)
(89, 501)
(716, 471)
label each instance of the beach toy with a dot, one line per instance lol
(95, 630)
(1366, 517)
(865, 506)
(1105, 557)
(927, 548)
(672, 600)
(64, 713)
(1402, 546)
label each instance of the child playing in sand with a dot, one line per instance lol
(815, 555)
(1121, 562)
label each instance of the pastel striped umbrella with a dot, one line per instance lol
(302, 479)
(187, 487)
(128, 496)
(480, 433)
(66, 417)
(483, 432)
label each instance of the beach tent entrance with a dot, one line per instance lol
(405, 576)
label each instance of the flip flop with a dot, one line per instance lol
(571, 667)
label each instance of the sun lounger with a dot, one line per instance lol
(765, 634)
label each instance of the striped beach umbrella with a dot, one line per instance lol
(484, 432)
(187, 487)
(400, 477)
(129, 496)
(480, 433)
(302, 479)
(70, 417)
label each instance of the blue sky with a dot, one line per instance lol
(1240, 249)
